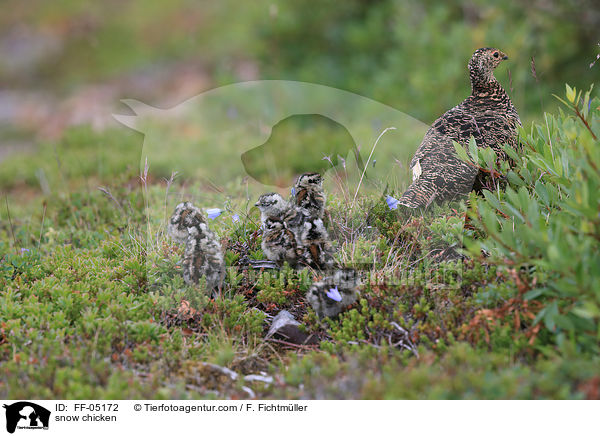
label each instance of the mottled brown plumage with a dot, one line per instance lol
(278, 240)
(334, 293)
(487, 114)
(313, 238)
(203, 256)
(308, 194)
(291, 235)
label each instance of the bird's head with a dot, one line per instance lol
(187, 215)
(271, 204)
(184, 217)
(482, 65)
(307, 180)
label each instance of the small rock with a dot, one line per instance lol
(267, 379)
(226, 371)
(252, 364)
(286, 327)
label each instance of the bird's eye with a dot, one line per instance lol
(496, 54)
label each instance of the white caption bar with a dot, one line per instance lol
(23, 417)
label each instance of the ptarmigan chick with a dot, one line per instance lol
(487, 114)
(291, 235)
(184, 216)
(333, 294)
(203, 256)
(312, 236)
(278, 240)
(309, 194)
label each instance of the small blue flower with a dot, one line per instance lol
(235, 217)
(391, 202)
(334, 294)
(213, 213)
(293, 191)
(24, 250)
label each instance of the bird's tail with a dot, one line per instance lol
(420, 194)
(449, 185)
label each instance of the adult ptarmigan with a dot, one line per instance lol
(487, 114)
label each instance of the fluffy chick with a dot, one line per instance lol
(312, 236)
(279, 243)
(184, 216)
(292, 235)
(309, 194)
(203, 256)
(333, 294)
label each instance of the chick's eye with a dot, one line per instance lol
(496, 54)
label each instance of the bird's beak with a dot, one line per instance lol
(504, 57)
(256, 204)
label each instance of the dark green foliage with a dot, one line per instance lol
(413, 51)
(546, 224)
(462, 372)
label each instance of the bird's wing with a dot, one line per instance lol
(456, 124)
(443, 175)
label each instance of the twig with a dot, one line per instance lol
(367, 165)
(169, 182)
(10, 221)
(42, 226)
(582, 118)
(291, 344)
(404, 333)
(107, 192)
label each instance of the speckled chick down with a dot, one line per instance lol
(278, 240)
(309, 194)
(291, 235)
(203, 256)
(333, 294)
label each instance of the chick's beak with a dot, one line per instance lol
(256, 204)
(504, 57)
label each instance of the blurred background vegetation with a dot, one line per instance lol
(411, 55)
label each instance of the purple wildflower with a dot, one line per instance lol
(391, 202)
(213, 213)
(334, 294)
